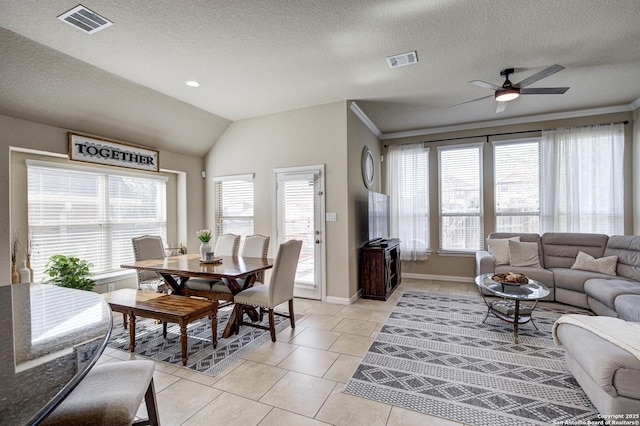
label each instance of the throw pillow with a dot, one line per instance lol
(523, 254)
(604, 265)
(499, 249)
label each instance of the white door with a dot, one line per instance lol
(299, 214)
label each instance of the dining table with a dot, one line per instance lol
(51, 337)
(237, 272)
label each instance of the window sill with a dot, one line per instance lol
(111, 277)
(454, 253)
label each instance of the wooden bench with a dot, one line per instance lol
(181, 310)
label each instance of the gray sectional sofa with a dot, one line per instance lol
(608, 374)
(596, 291)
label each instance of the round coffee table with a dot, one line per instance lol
(508, 308)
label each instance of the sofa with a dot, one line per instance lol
(606, 366)
(613, 292)
(592, 271)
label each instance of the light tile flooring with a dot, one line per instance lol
(298, 379)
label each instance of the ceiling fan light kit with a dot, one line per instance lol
(509, 91)
(507, 95)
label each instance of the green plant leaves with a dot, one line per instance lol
(69, 271)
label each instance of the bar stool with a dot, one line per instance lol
(110, 394)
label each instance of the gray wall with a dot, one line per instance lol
(187, 211)
(462, 267)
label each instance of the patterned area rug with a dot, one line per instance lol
(202, 357)
(434, 355)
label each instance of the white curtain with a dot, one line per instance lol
(408, 187)
(582, 180)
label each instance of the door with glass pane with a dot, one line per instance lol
(299, 213)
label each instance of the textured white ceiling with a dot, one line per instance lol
(259, 57)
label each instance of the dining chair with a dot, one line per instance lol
(256, 245)
(144, 248)
(279, 289)
(227, 245)
(110, 394)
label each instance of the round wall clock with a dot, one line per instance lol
(368, 167)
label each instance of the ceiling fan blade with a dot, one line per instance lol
(540, 75)
(544, 91)
(485, 84)
(472, 100)
(501, 107)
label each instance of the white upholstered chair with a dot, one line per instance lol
(227, 245)
(279, 290)
(145, 248)
(110, 394)
(256, 246)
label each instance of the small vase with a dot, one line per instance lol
(24, 273)
(15, 276)
(205, 248)
(30, 268)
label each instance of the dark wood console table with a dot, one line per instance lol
(380, 269)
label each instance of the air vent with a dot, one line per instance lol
(402, 59)
(85, 19)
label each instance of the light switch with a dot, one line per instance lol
(331, 217)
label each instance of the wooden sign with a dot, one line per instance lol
(112, 153)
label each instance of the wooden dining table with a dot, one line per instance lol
(237, 272)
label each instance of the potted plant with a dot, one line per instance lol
(204, 235)
(69, 271)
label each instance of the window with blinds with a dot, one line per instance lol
(461, 220)
(517, 185)
(91, 214)
(234, 205)
(298, 211)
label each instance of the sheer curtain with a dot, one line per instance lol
(582, 180)
(408, 187)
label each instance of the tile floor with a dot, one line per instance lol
(298, 379)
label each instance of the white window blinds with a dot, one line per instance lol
(297, 209)
(91, 214)
(234, 205)
(517, 185)
(461, 221)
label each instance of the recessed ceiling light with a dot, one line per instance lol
(192, 83)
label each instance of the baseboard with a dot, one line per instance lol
(344, 300)
(439, 277)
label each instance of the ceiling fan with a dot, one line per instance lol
(509, 91)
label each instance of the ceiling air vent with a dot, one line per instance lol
(85, 19)
(402, 59)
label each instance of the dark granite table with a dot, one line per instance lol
(49, 339)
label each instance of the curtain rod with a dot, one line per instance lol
(488, 135)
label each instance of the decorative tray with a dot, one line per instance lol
(211, 262)
(510, 278)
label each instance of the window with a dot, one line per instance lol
(89, 213)
(234, 205)
(408, 183)
(517, 185)
(461, 220)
